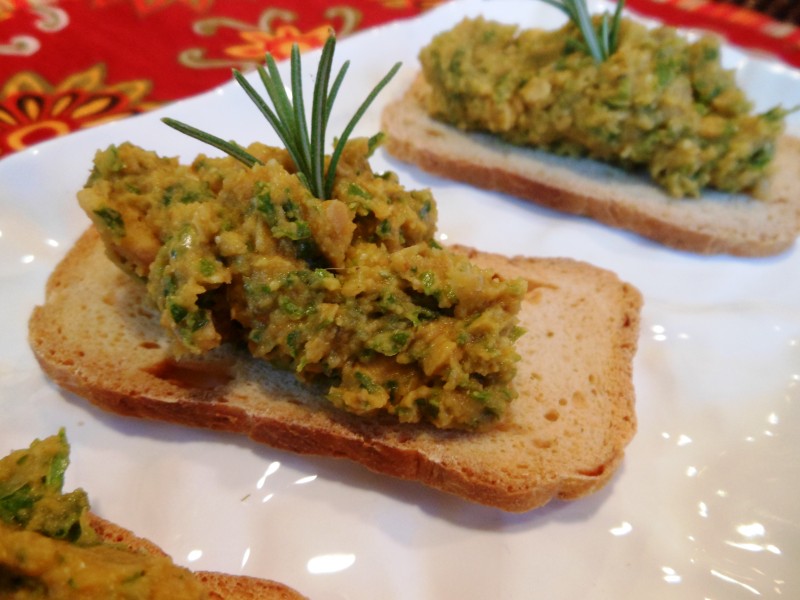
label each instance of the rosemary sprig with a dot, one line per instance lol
(287, 117)
(601, 42)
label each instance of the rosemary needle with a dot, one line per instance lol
(231, 148)
(599, 44)
(287, 117)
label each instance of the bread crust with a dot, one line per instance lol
(220, 586)
(564, 436)
(717, 223)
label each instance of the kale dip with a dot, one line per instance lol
(48, 549)
(659, 103)
(352, 291)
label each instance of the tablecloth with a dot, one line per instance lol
(70, 64)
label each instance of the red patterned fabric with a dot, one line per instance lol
(71, 64)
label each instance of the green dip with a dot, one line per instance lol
(49, 550)
(659, 103)
(353, 291)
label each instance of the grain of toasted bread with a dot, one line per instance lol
(716, 223)
(564, 436)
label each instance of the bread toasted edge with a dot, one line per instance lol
(746, 227)
(383, 449)
(220, 586)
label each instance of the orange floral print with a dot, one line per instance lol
(33, 110)
(278, 42)
(406, 4)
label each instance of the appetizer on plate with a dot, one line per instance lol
(637, 128)
(51, 546)
(303, 300)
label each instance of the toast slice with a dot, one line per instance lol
(564, 437)
(221, 586)
(716, 223)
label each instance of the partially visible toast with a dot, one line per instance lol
(221, 586)
(564, 437)
(717, 223)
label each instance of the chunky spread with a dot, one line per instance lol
(659, 103)
(352, 291)
(49, 550)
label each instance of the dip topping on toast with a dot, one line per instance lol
(347, 288)
(658, 103)
(49, 549)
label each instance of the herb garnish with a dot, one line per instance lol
(602, 43)
(288, 119)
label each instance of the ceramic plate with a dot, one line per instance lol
(705, 505)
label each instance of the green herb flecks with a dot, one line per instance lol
(600, 42)
(287, 116)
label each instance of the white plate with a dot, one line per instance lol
(705, 505)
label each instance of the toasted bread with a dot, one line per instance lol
(716, 223)
(564, 437)
(221, 586)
